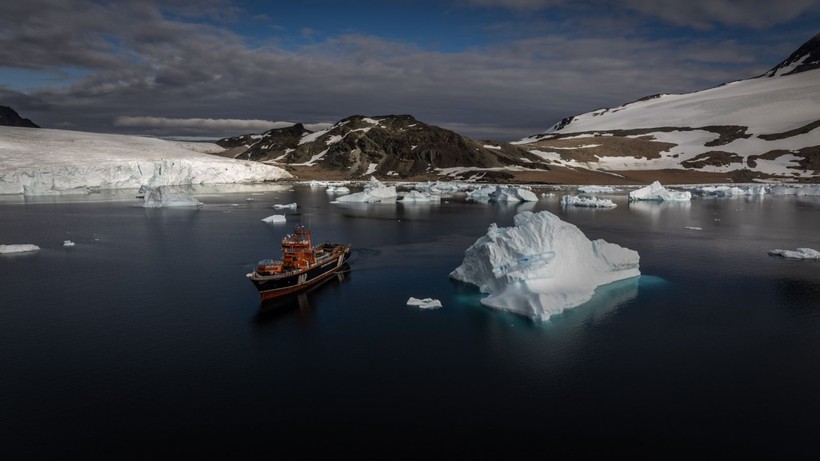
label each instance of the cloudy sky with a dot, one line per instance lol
(487, 69)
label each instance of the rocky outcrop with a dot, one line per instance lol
(390, 146)
(9, 117)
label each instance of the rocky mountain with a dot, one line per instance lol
(766, 127)
(9, 117)
(390, 146)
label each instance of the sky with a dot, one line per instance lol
(487, 69)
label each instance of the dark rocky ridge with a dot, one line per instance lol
(398, 145)
(9, 117)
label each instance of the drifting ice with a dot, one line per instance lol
(426, 303)
(289, 205)
(374, 191)
(592, 202)
(542, 265)
(20, 248)
(799, 253)
(275, 218)
(656, 191)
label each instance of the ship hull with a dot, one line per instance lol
(276, 286)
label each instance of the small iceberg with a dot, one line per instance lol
(337, 190)
(502, 194)
(799, 253)
(277, 218)
(596, 190)
(591, 202)
(657, 192)
(426, 303)
(374, 191)
(418, 196)
(18, 248)
(291, 206)
(68, 243)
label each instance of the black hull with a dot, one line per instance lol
(274, 286)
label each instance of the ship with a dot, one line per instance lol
(302, 266)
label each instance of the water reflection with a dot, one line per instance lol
(300, 305)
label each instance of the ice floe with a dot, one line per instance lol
(656, 191)
(374, 191)
(280, 206)
(276, 218)
(502, 194)
(68, 243)
(592, 202)
(426, 303)
(18, 248)
(417, 196)
(799, 253)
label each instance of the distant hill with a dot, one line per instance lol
(389, 146)
(9, 117)
(766, 127)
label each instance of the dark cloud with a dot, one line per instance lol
(141, 62)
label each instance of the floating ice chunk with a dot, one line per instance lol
(417, 196)
(289, 205)
(18, 248)
(795, 190)
(68, 243)
(656, 191)
(592, 202)
(729, 191)
(799, 253)
(542, 265)
(168, 196)
(374, 191)
(693, 228)
(337, 190)
(502, 194)
(426, 303)
(276, 218)
(596, 190)
(317, 184)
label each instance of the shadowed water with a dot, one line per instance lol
(145, 340)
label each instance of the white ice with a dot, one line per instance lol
(799, 253)
(68, 243)
(502, 194)
(337, 190)
(280, 206)
(729, 191)
(426, 303)
(276, 218)
(596, 190)
(18, 248)
(542, 265)
(592, 202)
(374, 191)
(44, 161)
(656, 191)
(417, 196)
(168, 196)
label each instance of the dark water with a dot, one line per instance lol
(146, 341)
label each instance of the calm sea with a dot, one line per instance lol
(146, 341)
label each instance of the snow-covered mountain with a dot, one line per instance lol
(763, 127)
(45, 161)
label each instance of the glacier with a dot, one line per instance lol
(542, 265)
(45, 161)
(168, 196)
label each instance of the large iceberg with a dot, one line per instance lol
(656, 191)
(542, 265)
